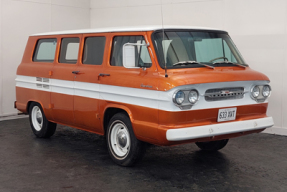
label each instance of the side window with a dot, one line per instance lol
(94, 50)
(144, 59)
(69, 50)
(45, 50)
(142, 54)
(228, 53)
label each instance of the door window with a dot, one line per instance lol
(45, 50)
(142, 54)
(69, 50)
(94, 50)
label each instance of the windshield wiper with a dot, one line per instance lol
(192, 62)
(229, 62)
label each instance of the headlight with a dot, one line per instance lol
(255, 91)
(193, 96)
(260, 93)
(179, 97)
(266, 90)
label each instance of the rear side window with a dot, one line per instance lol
(45, 50)
(142, 54)
(94, 50)
(69, 50)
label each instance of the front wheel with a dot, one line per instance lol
(41, 127)
(212, 145)
(124, 148)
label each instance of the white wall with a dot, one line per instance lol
(21, 18)
(258, 28)
(1, 71)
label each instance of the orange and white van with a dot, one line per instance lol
(158, 85)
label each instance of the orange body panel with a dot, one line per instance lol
(208, 116)
(180, 77)
(150, 124)
(28, 95)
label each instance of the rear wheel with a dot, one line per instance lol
(212, 145)
(41, 127)
(124, 148)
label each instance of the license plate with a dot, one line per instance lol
(226, 114)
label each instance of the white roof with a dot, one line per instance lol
(123, 29)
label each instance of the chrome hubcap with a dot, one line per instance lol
(122, 139)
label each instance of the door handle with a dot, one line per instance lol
(103, 74)
(75, 72)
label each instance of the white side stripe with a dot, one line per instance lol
(62, 86)
(136, 96)
(90, 90)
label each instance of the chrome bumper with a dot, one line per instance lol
(187, 133)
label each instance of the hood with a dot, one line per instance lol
(186, 76)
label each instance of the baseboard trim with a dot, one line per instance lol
(276, 131)
(11, 117)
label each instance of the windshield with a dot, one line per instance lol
(211, 48)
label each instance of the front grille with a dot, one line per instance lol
(220, 94)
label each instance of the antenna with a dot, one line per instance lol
(165, 69)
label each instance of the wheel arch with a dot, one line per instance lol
(111, 110)
(33, 101)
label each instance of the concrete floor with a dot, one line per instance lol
(74, 160)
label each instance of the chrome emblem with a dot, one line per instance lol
(146, 86)
(226, 92)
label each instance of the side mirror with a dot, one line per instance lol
(129, 56)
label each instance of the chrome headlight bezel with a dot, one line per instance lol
(261, 97)
(176, 100)
(186, 103)
(194, 100)
(269, 91)
(252, 91)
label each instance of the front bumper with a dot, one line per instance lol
(197, 132)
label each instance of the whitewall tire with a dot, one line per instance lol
(41, 127)
(124, 148)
